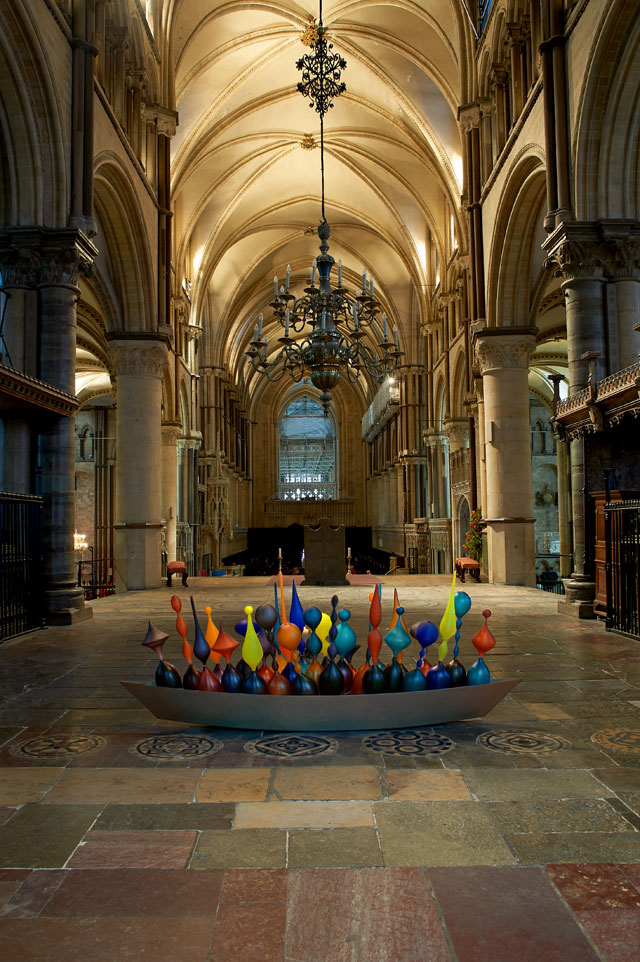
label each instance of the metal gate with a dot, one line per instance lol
(21, 594)
(622, 537)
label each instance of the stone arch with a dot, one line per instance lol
(608, 125)
(516, 258)
(125, 259)
(33, 185)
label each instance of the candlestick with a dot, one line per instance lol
(288, 276)
(371, 287)
(275, 287)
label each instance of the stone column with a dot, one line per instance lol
(504, 361)
(64, 253)
(170, 435)
(622, 245)
(139, 364)
(577, 251)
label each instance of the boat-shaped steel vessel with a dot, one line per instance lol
(324, 712)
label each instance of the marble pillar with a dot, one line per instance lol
(170, 435)
(576, 248)
(63, 254)
(504, 359)
(139, 364)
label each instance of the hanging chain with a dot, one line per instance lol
(321, 72)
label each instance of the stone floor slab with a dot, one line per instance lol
(588, 887)
(33, 894)
(158, 893)
(44, 836)
(144, 817)
(122, 786)
(558, 815)
(234, 785)
(136, 849)
(250, 932)
(250, 848)
(615, 934)
(504, 914)
(521, 786)
(426, 786)
(331, 848)
(302, 815)
(362, 915)
(254, 885)
(104, 940)
(20, 785)
(327, 782)
(439, 833)
(576, 847)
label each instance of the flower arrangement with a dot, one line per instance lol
(473, 539)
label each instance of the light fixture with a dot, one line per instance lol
(339, 320)
(79, 542)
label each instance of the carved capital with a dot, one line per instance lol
(622, 257)
(497, 350)
(166, 120)
(19, 267)
(144, 358)
(457, 430)
(469, 117)
(170, 434)
(37, 256)
(575, 251)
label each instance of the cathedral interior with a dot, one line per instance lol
(168, 196)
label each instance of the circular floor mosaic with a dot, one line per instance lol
(408, 743)
(522, 742)
(176, 746)
(292, 746)
(619, 739)
(63, 745)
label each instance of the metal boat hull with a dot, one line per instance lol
(324, 712)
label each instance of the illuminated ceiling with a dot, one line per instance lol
(246, 188)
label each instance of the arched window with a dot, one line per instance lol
(307, 468)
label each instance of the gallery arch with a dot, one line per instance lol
(157, 172)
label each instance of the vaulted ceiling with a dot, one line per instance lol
(246, 164)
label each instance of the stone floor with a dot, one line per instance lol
(513, 837)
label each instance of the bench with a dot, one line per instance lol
(177, 568)
(467, 564)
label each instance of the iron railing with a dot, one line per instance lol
(21, 583)
(622, 541)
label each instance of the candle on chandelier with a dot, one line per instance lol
(364, 281)
(260, 319)
(384, 327)
(395, 336)
(275, 287)
(288, 277)
(339, 273)
(371, 287)
(314, 267)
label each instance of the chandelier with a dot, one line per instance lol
(339, 320)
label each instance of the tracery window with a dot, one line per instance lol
(307, 450)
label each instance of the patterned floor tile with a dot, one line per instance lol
(292, 746)
(407, 743)
(522, 742)
(176, 747)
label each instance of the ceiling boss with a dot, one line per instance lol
(339, 320)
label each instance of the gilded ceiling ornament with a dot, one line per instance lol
(308, 143)
(310, 35)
